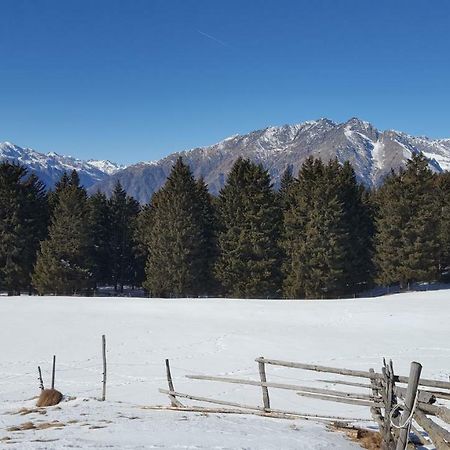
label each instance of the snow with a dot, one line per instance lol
(377, 154)
(106, 166)
(201, 336)
(34, 159)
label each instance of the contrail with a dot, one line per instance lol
(212, 38)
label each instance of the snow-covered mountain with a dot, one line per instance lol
(373, 154)
(50, 166)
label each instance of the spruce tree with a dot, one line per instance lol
(63, 266)
(358, 225)
(100, 231)
(442, 202)
(315, 236)
(407, 220)
(210, 254)
(177, 238)
(122, 253)
(286, 185)
(23, 222)
(249, 226)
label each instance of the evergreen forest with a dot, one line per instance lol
(320, 235)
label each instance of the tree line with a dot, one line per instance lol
(321, 235)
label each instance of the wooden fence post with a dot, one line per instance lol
(265, 390)
(410, 400)
(41, 383)
(104, 367)
(376, 410)
(173, 400)
(53, 371)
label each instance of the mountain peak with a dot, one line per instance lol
(50, 166)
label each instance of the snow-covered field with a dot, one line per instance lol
(214, 337)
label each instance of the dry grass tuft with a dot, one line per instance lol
(371, 440)
(49, 397)
(42, 426)
(26, 411)
(54, 424)
(23, 427)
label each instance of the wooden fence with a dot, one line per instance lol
(406, 415)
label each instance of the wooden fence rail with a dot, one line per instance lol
(352, 373)
(395, 420)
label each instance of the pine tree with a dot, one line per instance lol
(122, 257)
(315, 237)
(100, 236)
(358, 225)
(63, 266)
(249, 226)
(286, 185)
(207, 278)
(442, 202)
(23, 222)
(407, 220)
(177, 238)
(60, 185)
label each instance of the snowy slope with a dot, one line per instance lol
(202, 336)
(50, 166)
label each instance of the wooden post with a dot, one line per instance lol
(410, 399)
(265, 390)
(41, 383)
(173, 400)
(396, 414)
(376, 410)
(104, 367)
(53, 371)
(388, 441)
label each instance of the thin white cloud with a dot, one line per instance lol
(224, 44)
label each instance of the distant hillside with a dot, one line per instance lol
(373, 154)
(50, 166)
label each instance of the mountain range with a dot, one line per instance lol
(373, 153)
(50, 166)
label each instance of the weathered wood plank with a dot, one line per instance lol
(439, 436)
(439, 411)
(410, 402)
(423, 396)
(376, 410)
(173, 400)
(331, 398)
(348, 383)
(292, 387)
(352, 373)
(265, 390)
(324, 417)
(104, 367)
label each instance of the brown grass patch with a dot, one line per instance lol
(54, 424)
(371, 440)
(49, 397)
(23, 427)
(31, 426)
(26, 411)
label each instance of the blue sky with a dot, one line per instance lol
(136, 80)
